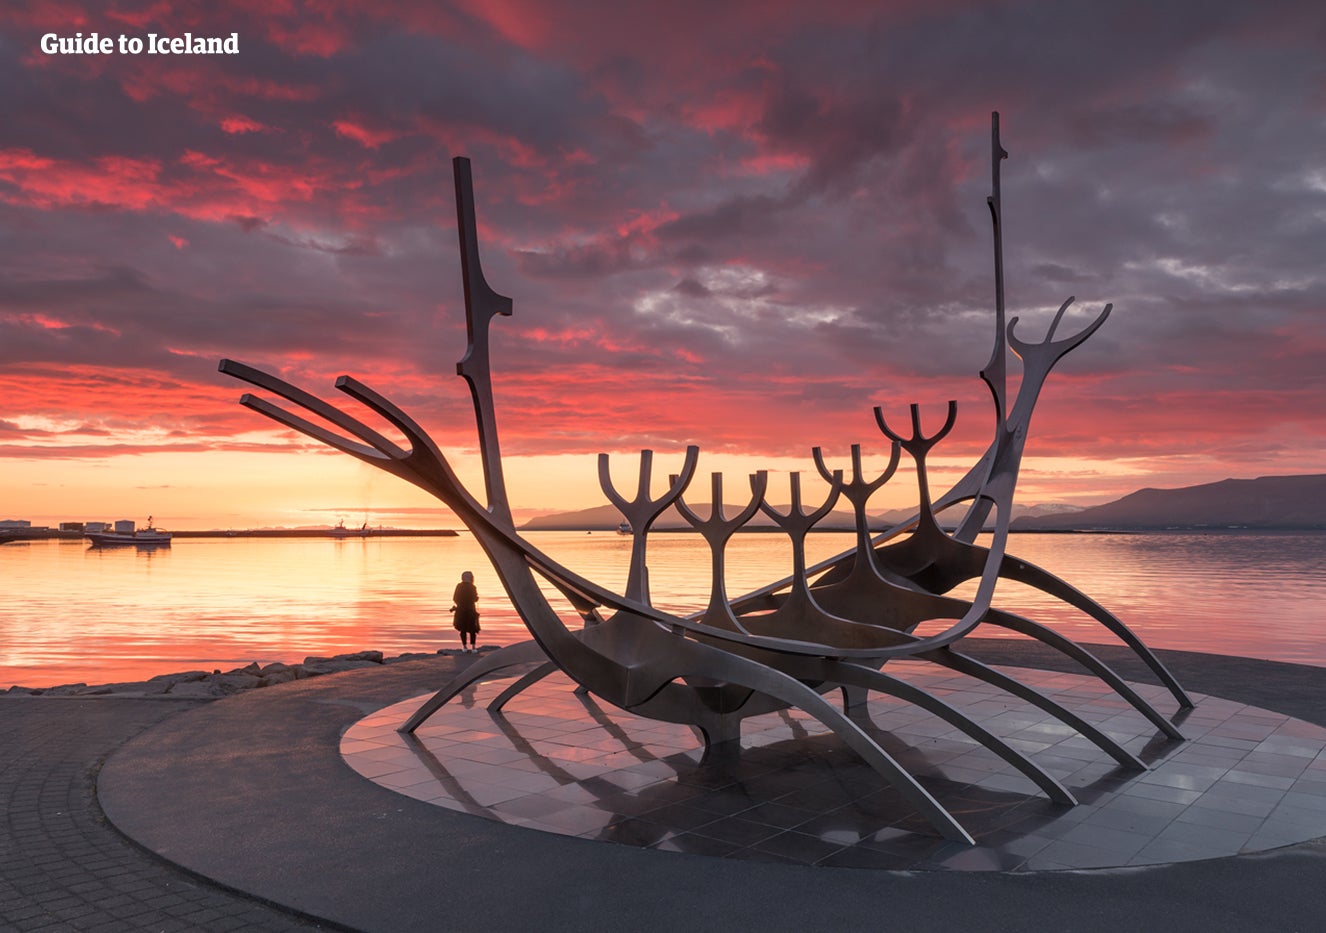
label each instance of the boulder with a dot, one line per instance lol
(337, 665)
(235, 682)
(195, 688)
(183, 677)
(137, 688)
(205, 685)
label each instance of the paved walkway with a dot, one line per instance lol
(251, 792)
(62, 867)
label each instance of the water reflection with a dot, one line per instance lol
(119, 614)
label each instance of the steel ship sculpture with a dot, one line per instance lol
(831, 626)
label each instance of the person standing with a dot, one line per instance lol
(465, 613)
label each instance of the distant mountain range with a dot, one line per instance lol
(1268, 502)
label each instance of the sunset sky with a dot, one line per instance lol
(734, 224)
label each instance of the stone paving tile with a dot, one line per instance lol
(62, 866)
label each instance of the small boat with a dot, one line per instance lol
(126, 535)
(340, 531)
(624, 528)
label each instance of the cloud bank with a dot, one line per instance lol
(740, 227)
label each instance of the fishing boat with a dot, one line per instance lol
(126, 534)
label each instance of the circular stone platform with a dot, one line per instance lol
(1246, 779)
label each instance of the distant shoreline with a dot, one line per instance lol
(318, 533)
(314, 533)
(48, 534)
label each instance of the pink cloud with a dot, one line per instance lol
(236, 125)
(362, 133)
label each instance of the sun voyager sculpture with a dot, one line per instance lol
(831, 626)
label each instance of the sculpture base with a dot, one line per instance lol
(1247, 779)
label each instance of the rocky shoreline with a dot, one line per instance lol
(204, 685)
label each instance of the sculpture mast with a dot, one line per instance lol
(482, 304)
(995, 372)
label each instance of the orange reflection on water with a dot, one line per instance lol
(101, 616)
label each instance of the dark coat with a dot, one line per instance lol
(466, 614)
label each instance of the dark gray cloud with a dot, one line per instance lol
(787, 196)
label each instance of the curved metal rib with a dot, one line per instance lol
(855, 675)
(1088, 660)
(313, 404)
(521, 685)
(521, 653)
(774, 683)
(947, 657)
(901, 608)
(1032, 575)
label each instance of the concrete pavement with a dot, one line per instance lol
(250, 792)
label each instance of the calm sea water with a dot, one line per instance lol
(75, 613)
